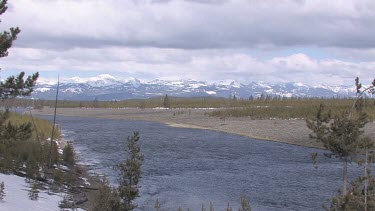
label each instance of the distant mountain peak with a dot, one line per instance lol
(108, 87)
(76, 79)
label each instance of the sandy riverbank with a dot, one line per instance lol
(285, 131)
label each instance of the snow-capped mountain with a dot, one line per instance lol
(107, 87)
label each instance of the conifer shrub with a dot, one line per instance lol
(20, 149)
(2, 191)
(68, 155)
(107, 198)
(33, 192)
(130, 173)
(355, 198)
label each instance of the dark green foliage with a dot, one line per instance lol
(68, 155)
(157, 205)
(228, 208)
(7, 37)
(19, 151)
(63, 177)
(245, 204)
(123, 197)
(341, 135)
(130, 171)
(354, 199)
(58, 177)
(166, 102)
(280, 108)
(33, 192)
(2, 191)
(107, 199)
(32, 168)
(10, 132)
(55, 154)
(95, 103)
(15, 85)
(66, 203)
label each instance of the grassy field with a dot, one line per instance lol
(42, 128)
(282, 108)
(291, 109)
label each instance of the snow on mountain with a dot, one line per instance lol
(133, 82)
(342, 89)
(103, 80)
(298, 84)
(263, 84)
(235, 84)
(211, 92)
(223, 83)
(108, 87)
(43, 89)
(76, 80)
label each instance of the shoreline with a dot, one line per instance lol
(292, 132)
(252, 137)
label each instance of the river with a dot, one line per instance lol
(190, 167)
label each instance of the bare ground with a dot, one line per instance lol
(286, 131)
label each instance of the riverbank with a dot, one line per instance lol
(292, 131)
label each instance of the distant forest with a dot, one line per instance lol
(256, 108)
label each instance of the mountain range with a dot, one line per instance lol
(107, 87)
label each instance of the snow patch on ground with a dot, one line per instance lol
(17, 198)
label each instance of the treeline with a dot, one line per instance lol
(292, 108)
(256, 108)
(179, 102)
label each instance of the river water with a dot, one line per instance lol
(190, 167)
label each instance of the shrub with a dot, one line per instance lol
(2, 191)
(68, 155)
(107, 198)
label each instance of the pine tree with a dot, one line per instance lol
(130, 171)
(166, 102)
(245, 204)
(68, 155)
(33, 192)
(107, 199)
(14, 85)
(157, 205)
(355, 199)
(342, 134)
(2, 191)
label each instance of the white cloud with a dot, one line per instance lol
(205, 40)
(210, 65)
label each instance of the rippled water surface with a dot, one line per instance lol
(190, 167)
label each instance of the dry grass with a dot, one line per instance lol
(42, 128)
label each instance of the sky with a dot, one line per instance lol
(308, 41)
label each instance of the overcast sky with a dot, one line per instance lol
(308, 41)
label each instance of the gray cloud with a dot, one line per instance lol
(192, 25)
(210, 40)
